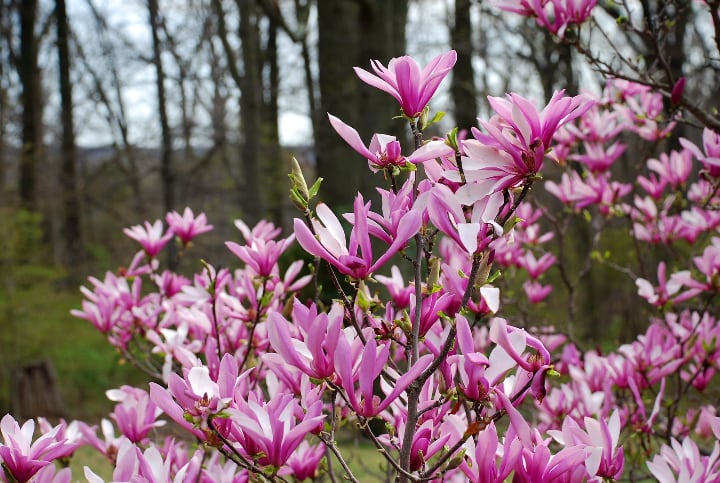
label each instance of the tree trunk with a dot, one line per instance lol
(167, 174)
(71, 227)
(350, 34)
(462, 88)
(274, 170)
(29, 74)
(251, 111)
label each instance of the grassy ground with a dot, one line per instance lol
(35, 324)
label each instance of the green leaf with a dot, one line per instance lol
(297, 199)
(511, 223)
(315, 188)
(451, 139)
(497, 274)
(437, 117)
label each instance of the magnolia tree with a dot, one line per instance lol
(261, 373)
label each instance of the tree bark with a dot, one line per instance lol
(71, 227)
(274, 170)
(251, 104)
(167, 174)
(31, 100)
(462, 88)
(350, 34)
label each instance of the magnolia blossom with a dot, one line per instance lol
(313, 349)
(518, 137)
(600, 440)
(135, 414)
(191, 400)
(711, 157)
(365, 368)
(356, 258)
(554, 15)
(599, 158)
(535, 291)
(384, 151)
(187, 226)
(272, 430)
(682, 462)
(399, 291)
(150, 236)
(260, 254)
(404, 80)
(21, 456)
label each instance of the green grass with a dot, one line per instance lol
(90, 457)
(35, 324)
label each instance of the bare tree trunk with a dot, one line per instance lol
(462, 88)
(251, 111)
(71, 227)
(167, 174)
(350, 34)
(4, 105)
(29, 74)
(274, 178)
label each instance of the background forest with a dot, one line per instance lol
(116, 112)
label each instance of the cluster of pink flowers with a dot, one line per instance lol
(557, 16)
(255, 366)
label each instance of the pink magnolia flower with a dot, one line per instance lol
(404, 80)
(304, 462)
(447, 215)
(260, 254)
(432, 306)
(535, 291)
(50, 474)
(711, 157)
(150, 236)
(394, 206)
(187, 226)
(667, 289)
(150, 466)
(135, 414)
(365, 369)
(384, 150)
(653, 185)
(399, 291)
(708, 263)
(599, 441)
(554, 15)
(470, 364)
(536, 266)
(519, 137)
(313, 350)
(331, 246)
(674, 169)
(20, 455)
(510, 351)
(683, 462)
(482, 458)
(264, 229)
(189, 401)
(425, 445)
(530, 454)
(597, 157)
(272, 430)
(110, 442)
(640, 108)
(593, 189)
